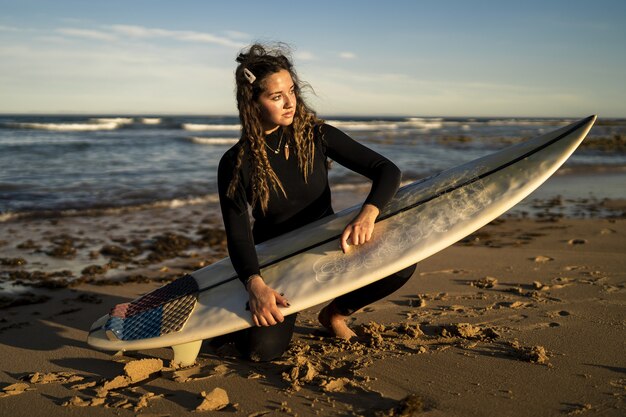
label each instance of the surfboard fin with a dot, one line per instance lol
(111, 336)
(186, 353)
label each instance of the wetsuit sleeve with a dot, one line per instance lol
(236, 222)
(384, 174)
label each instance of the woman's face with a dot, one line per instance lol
(278, 101)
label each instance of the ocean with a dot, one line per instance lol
(60, 164)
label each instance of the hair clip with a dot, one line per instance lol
(249, 75)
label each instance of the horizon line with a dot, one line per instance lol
(342, 115)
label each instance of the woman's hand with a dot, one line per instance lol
(264, 303)
(360, 229)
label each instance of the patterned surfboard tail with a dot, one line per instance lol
(162, 311)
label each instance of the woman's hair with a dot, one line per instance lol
(263, 61)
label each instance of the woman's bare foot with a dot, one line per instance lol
(330, 318)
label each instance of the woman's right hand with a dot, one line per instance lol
(264, 302)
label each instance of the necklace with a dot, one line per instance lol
(280, 141)
(277, 150)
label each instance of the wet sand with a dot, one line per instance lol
(524, 317)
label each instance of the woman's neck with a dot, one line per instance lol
(270, 130)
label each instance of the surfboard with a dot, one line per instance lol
(308, 265)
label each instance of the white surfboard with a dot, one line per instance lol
(308, 265)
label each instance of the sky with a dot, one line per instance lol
(549, 58)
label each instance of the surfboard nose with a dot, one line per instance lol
(586, 124)
(591, 119)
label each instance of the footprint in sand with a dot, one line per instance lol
(561, 313)
(541, 326)
(542, 259)
(574, 242)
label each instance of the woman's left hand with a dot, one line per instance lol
(360, 229)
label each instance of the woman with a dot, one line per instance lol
(279, 168)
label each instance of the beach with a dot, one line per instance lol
(123, 125)
(523, 317)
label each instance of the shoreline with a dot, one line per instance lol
(569, 182)
(163, 242)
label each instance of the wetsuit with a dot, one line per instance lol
(304, 203)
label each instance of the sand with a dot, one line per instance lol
(524, 317)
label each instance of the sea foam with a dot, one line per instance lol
(150, 120)
(196, 127)
(175, 203)
(67, 127)
(212, 141)
(118, 120)
(411, 123)
(358, 125)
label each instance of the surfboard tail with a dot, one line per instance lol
(162, 311)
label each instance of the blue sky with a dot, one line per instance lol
(417, 58)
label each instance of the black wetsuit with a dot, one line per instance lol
(305, 202)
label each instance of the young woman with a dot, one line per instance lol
(279, 168)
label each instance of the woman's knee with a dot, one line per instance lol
(264, 344)
(407, 272)
(266, 352)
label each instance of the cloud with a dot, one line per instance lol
(8, 29)
(87, 34)
(347, 55)
(304, 56)
(339, 91)
(77, 77)
(180, 35)
(52, 39)
(234, 34)
(110, 33)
